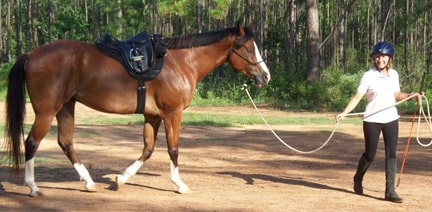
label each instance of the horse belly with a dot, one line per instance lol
(109, 93)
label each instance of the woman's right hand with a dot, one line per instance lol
(340, 116)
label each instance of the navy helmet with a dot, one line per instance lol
(383, 47)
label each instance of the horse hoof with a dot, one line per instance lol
(119, 182)
(35, 193)
(90, 188)
(184, 190)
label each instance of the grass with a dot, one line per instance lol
(209, 119)
(4, 160)
(235, 120)
(220, 120)
(105, 120)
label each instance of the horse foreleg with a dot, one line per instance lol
(151, 127)
(182, 188)
(172, 130)
(65, 119)
(121, 179)
(85, 175)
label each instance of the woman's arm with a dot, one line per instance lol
(351, 105)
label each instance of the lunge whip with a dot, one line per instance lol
(412, 123)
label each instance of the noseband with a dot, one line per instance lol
(233, 50)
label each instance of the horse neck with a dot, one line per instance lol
(208, 58)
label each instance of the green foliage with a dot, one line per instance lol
(223, 83)
(181, 8)
(221, 9)
(289, 92)
(326, 95)
(71, 23)
(4, 71)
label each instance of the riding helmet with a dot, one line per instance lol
(383, 47)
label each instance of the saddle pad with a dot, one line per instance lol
(142, 55)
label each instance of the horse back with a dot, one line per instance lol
(68, 70)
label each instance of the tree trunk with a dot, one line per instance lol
(313, 57)
(1, 33)
(198, 16)
(18, 30)
(8, 31)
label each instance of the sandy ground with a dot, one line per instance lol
(242, 168)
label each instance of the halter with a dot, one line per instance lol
(241, 56)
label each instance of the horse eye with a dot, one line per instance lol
(250, 50)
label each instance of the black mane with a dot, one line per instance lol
(206, 38)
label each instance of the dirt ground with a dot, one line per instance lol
(241, 168)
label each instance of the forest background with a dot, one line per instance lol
(316, 50)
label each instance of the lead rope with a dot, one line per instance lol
(421, 112)
(427, 119)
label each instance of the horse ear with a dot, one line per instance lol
(239, 23)
(251, 26)
(240, 29)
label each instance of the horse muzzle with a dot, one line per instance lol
(261, 76)
(262, 80)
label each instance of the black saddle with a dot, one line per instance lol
(142, 55)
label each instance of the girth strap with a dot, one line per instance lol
(141, 91)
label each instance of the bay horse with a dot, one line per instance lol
(58, 75)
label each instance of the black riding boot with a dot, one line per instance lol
(362, 167)
(390, 193)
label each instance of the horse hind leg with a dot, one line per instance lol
(151, 127)
(38, 131)
(65, 119)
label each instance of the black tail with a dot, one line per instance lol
(15, 111)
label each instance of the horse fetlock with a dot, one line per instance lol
(34, 190)
(35, 193)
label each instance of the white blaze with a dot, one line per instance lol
(259, 59)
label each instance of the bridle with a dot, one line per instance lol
(233, 50)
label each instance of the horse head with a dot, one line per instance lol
(246, 58)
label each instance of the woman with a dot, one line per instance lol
(381, 86)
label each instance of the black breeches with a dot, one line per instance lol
(372, 131)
